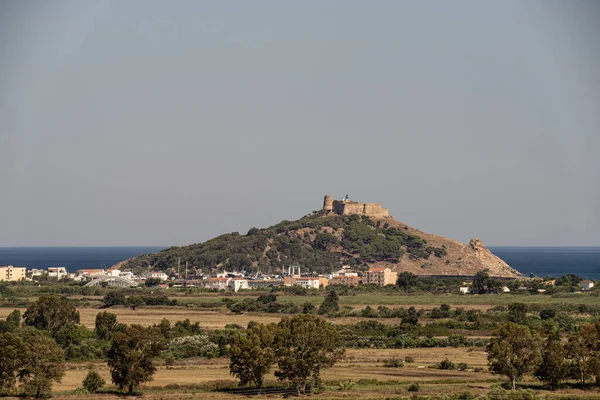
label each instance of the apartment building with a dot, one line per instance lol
(10, 273)
(380, 276)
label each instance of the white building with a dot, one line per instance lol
(307, 283)
(57, 272)
(236, 284)
(158, 274)
(587, 285)
(36, 272)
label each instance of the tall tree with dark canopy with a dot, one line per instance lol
(514, 351)
(105, 324)
(304, 345)
(252, 354)
(12, 350)
(330, 303)
(51, 313)
(44, 363)
(130, 356)
(554, 366)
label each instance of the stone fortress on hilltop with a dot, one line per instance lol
(348, 207)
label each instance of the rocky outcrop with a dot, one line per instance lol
(460, 260)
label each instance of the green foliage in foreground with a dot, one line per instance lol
(301, 347)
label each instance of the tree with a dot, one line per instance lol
(114, 298)
(330, 304)
(134, 302)
(12, 349)
(251, 354)
(517, 313)
(13, 320)
(304, 345)
(483, 283)
(44, 363)
(93, 381)
(151, 282)
(582, 348)
(412, 318)
(554, 366)
(407, 280)
(514, 351)
(105, 324)
(130, 356)
(51, 313)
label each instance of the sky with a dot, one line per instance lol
(170, 122)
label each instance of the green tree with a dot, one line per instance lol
(93, 381)
(135, 302)
(13, 320)
(51, 313)
(71, 335)
(330, 304)
(165, 328)
(554, 366)
(151, 282)
(114, 298)
(304, 345)
(517, 313)
(582, 349)
(483, 283)
(105, 324)
(411, 318)
(44, 363)
(407, 280)
(513, 351)
(251, 354)
(130, 356)
(12, 349)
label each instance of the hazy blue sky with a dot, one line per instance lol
(169, 122)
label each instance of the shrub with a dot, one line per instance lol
(93, 381)
(192, 346)
(409, 359)
(393, 363)
(169, 360)
(344, 386)
(446, 364)
(414, 387)
(462, 366)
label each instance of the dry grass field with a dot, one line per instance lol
(190, 379)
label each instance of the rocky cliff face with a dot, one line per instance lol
(461, 259)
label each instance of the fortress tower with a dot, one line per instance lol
(349, 207)
(327, 205)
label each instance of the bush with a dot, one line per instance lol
(462, 366)
(414, 387)
(393, 363)
(409, 359)
(93, 381)
(193, 346)
(446, 364)
(345, 386)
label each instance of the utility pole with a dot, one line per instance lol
(186, 267)
(178, 266)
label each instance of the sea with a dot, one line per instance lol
(536, 261)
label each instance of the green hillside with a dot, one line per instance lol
(319, 243)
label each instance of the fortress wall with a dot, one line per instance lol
(375, 210)
(349, 208)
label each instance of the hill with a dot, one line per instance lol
(322, 242)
